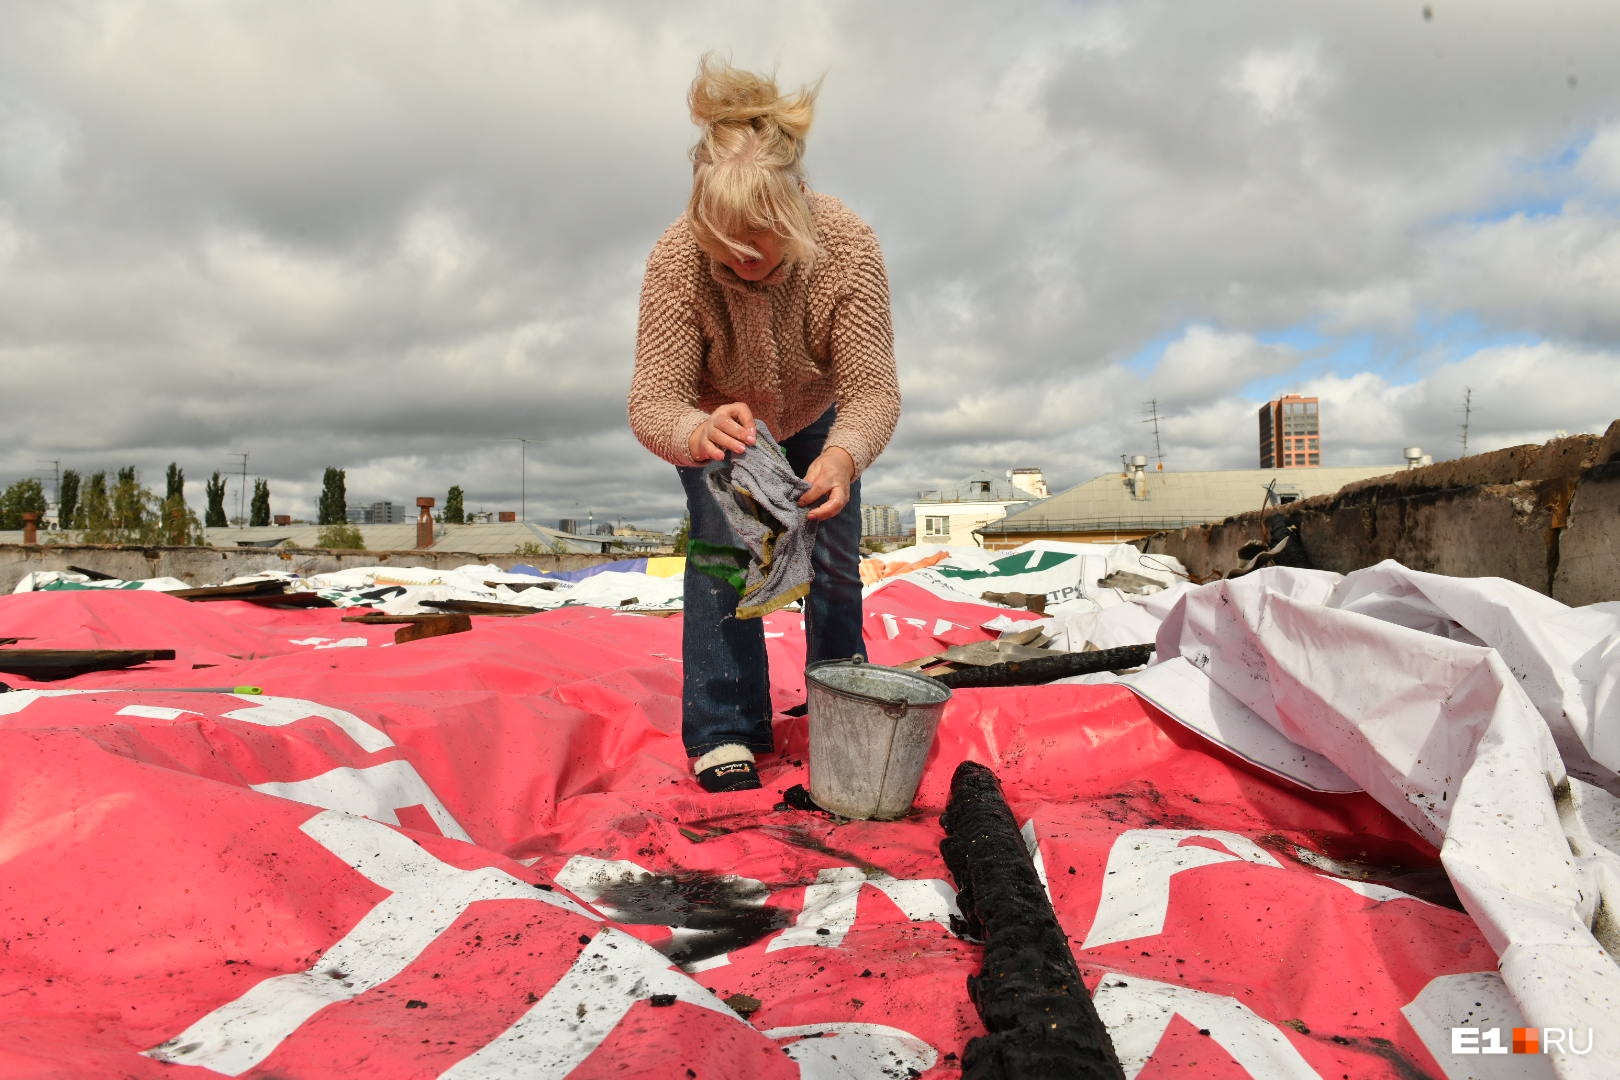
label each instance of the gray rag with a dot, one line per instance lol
(758, 493)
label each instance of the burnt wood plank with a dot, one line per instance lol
(45, 665)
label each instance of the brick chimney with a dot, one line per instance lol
(30, 526)
(424, 522)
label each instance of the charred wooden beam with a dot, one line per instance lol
(1041, 1021)
(45, 665)
(1044, 669)
(479, 607)
(417, 627)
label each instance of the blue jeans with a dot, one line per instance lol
(725, 691)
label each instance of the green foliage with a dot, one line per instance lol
(69, 499)
(334, 509)
(176, 483)
(132, 514)
(259, 511)
(20, 497)
(177, 523)
(95, 510)
(215, 515)
(133, 507)
(455, 511)
(340, 537)
(683, 535)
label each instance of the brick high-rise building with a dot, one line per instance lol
(1291, 433)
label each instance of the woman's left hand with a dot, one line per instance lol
(830, 476)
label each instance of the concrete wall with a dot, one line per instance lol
(210, 566)
(1547, 517)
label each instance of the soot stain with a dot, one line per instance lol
(725, 913)
(1423, 877)
(797, 835)
(1403, 1066)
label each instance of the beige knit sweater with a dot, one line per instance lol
(788, 346)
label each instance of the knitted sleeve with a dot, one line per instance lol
(664, 388)
(863, 365)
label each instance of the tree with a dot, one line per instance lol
(132, 514)
(259, 514)
(129, 509)
(19, 498)
(334, 506)
(215, 516)
(95, 513)
(176, 517)
(683, 535)
(455, 512)
(68, 505)
(341, 537)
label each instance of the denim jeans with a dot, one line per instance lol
(725, 692)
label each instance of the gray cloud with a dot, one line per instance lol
(337, 235)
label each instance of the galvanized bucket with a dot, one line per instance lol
(871, 728)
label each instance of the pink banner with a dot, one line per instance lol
(482, 855)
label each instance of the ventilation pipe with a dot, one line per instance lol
(424, 522)
(1139, 476)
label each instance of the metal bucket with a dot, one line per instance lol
(871, 728)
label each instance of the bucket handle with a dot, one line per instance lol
(893, 708)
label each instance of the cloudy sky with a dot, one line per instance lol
(399, 236)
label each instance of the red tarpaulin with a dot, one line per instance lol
(483, 855)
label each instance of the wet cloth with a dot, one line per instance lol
(758, 493)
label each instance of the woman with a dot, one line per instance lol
(765, 301)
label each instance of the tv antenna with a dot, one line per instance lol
(1467, 411)
(1153, 418)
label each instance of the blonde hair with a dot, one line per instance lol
(747, 167)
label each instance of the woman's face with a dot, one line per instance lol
(769, 246)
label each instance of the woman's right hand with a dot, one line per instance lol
(730, 428)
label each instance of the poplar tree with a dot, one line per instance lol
(259, 512)
(95, 513)
(334, 508)
(214, 517)
(455, 513)
(68, 501)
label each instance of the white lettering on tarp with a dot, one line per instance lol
(378, 792)
(1476, 1000)
(263, 711)
(281, 711)
(831, 903)
(331, 643)
(426, 898)
(581, 1010)
(1136, 882)
(853, 1051)
(1137, 1012)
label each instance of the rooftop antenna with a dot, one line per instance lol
(1153, 418)
(1467, 410)
(523, 474)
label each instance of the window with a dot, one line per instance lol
(936, 526)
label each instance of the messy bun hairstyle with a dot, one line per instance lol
(747, 167)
